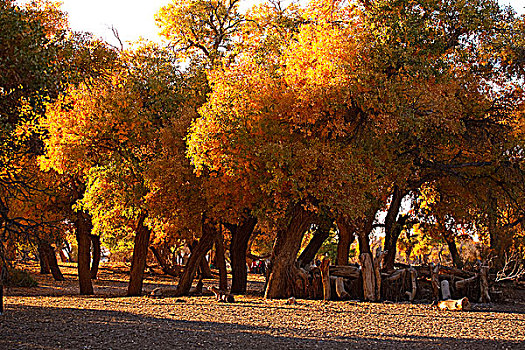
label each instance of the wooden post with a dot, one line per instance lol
(325, 276)
(484, 284)
(367, 268)
(445, 290)
(413, 279)
(434, 278)
(377, 271)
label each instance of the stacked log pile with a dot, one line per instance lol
(405, 283)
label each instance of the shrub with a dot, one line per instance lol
(20, 278)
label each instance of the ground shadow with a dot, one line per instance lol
(30, 327)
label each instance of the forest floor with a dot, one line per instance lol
(54, 316)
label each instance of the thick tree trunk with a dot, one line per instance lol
(238, 248)
(346, 237)
(140, 253)
(281, 281)
(209, 235)
(221, 262)
(45, 269)
(51, 258)
(83, 231)
(204, 264)
(308, 254)
(95, 243)
(393, 227)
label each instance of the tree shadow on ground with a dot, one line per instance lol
(30, 327)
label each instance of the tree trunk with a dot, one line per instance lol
(346, 237)
(95, 243)
(51, 258)
(3, 279)
(308, 254)
(367, 262)
(140, 253)
(281, 281)
(209, 235)
(204, 268)
(238, 248)
(45, 269)
(83, 231)
(221, 262)
(393, 227)
(165, 266)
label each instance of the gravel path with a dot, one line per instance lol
(33, 320)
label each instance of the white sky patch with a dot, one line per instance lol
(136, 18)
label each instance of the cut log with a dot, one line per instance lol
(445, 290)
(456, 272)
(484, 284)
(340, 289)
(345, 271)
(396, 275)
(325, 276)
(463, 283)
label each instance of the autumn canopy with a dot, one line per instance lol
(283, 133)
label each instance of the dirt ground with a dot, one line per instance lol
(52, 316)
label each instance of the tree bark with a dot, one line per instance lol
(209, 235)
(3, 277)
(83, 227)
(240, 237)
(221, 262)
(45, 269)
(393, 227)
(282, 276)
(308, 254)
(346, 237)
(50, 256)
(95, 243)
(140, 253)
(451, 243)
(83, 231)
